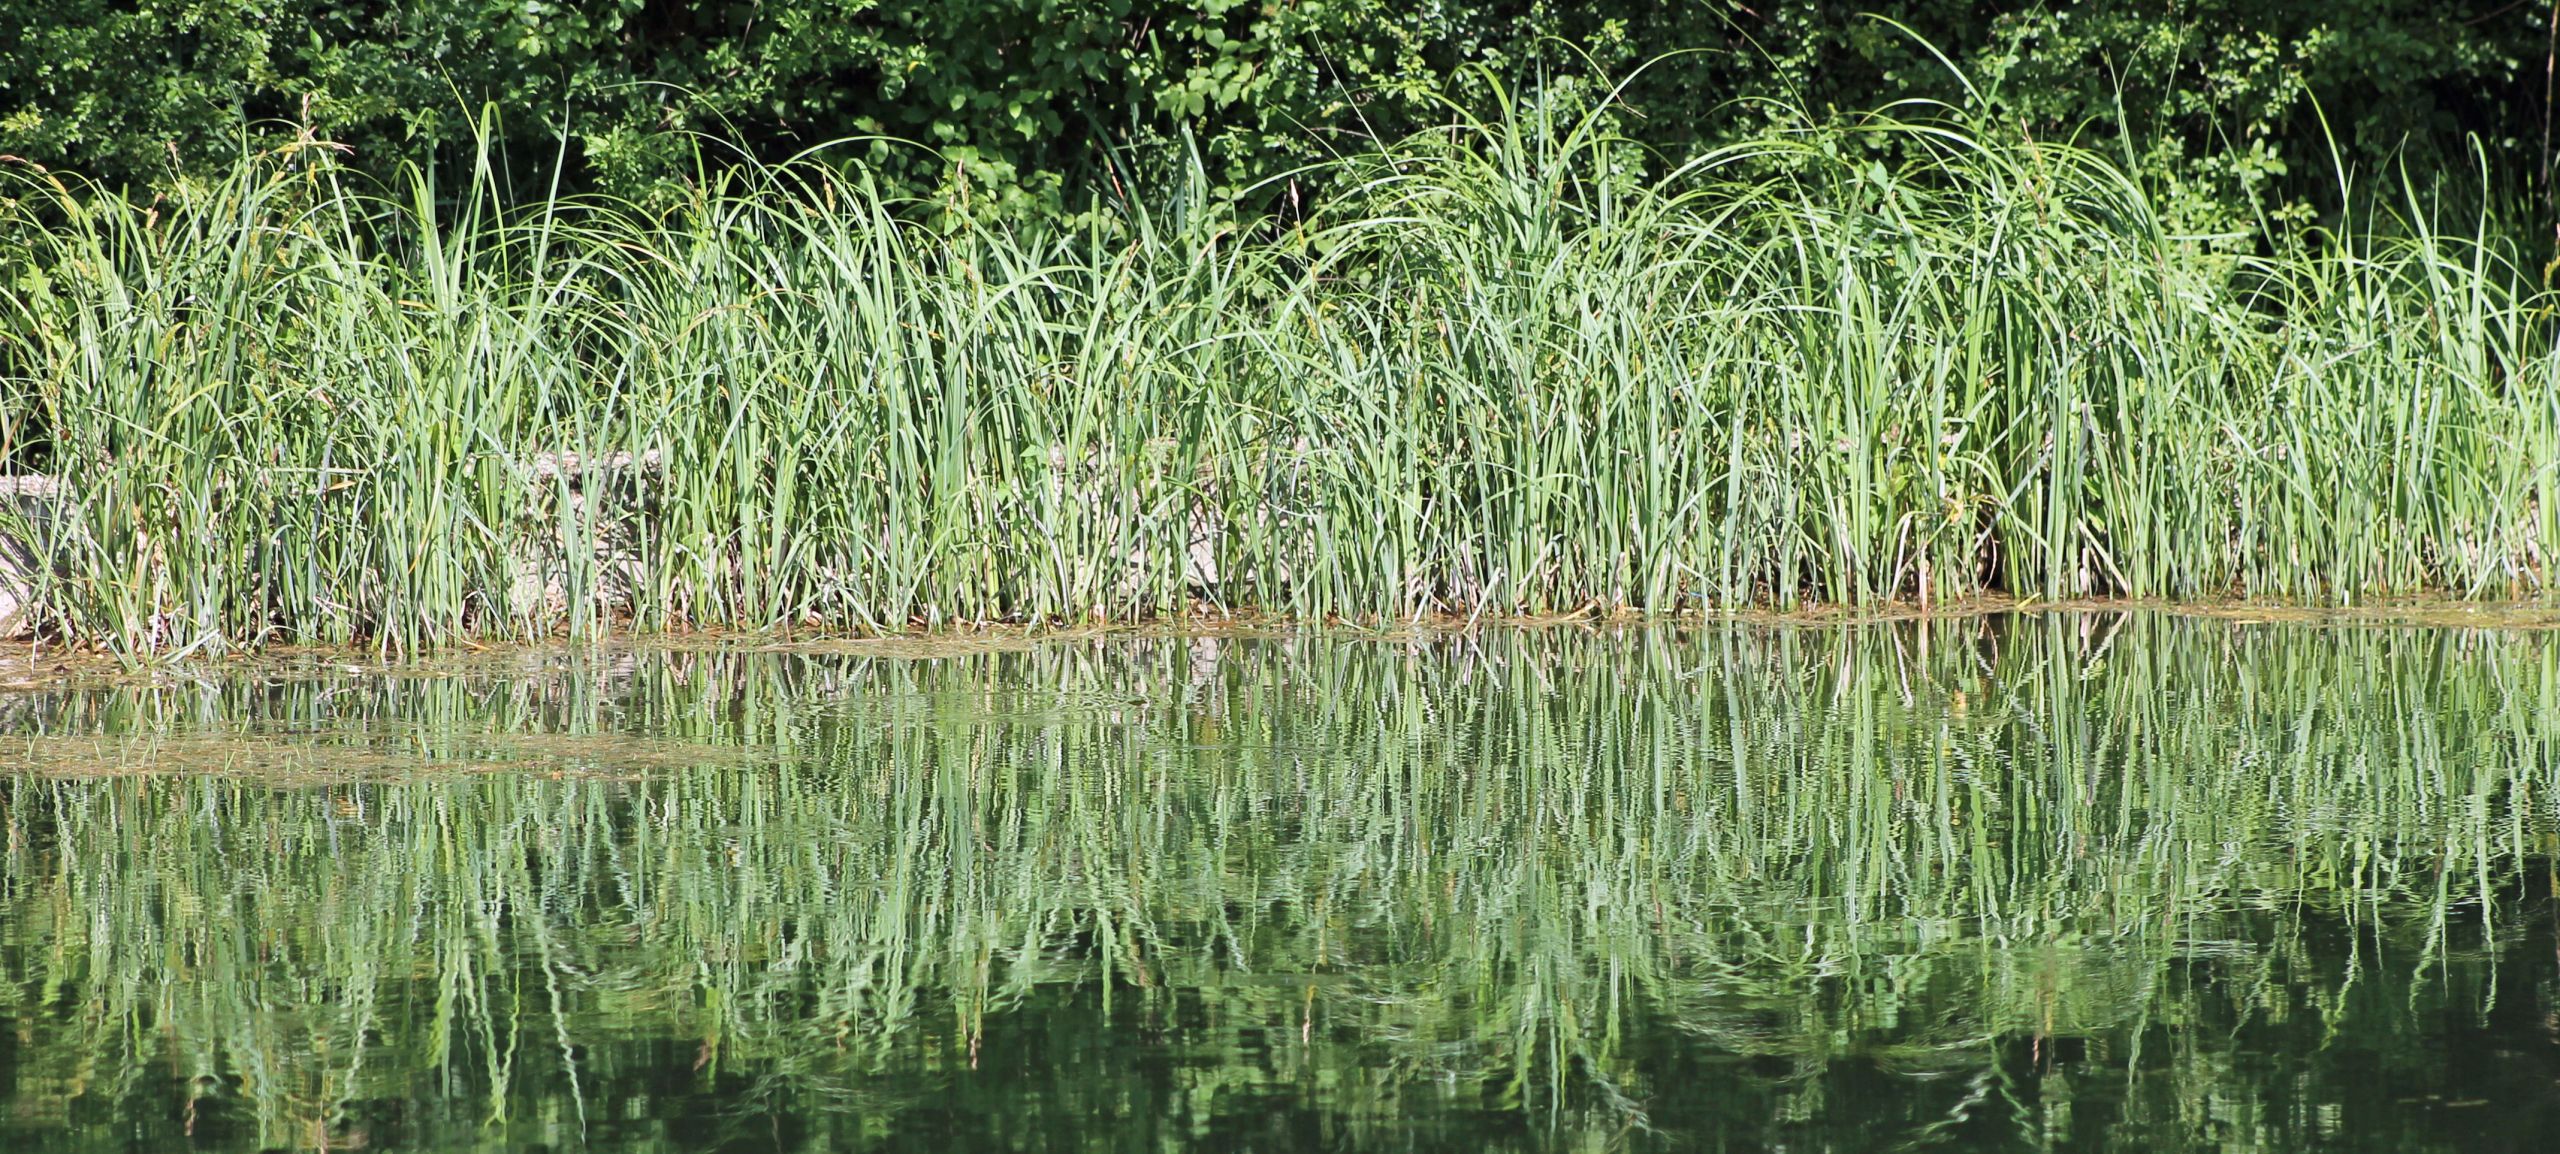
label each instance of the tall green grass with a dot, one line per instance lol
(1531, 874)
(1499, 368)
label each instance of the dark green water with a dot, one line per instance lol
(2046, 883)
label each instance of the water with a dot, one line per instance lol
(2056, 882)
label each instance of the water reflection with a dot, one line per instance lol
(2085, 883)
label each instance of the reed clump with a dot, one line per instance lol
(1498, 369)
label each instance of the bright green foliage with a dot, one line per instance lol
(1498, 371)
(1023, 100)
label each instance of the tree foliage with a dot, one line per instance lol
(1027, 105)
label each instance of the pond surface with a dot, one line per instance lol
(2063, 882)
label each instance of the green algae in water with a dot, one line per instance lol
(2047, 883)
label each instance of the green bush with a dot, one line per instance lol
(1023, 101)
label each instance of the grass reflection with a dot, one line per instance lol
(2084, 882)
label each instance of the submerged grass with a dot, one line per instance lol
(1497, 371)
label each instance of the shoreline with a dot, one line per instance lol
(28, 666)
